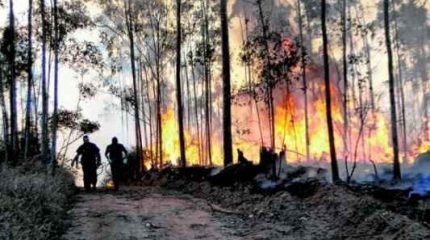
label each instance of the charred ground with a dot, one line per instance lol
(300, 206)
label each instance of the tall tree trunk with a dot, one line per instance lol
(395, 142)
(55, 111)
(13, 110)
(159, 102)
(345, 82)
(151, 148)
(44, 121)
(228, 148)
(401, 87)
(305, 82)
(144, 115)
(334, 167)
(269, 90)
(249, 67)
(178, 85)
(188, 98)
(138, 134)
(29, 81)
(207, 85)
(4, 117)
(196, 109)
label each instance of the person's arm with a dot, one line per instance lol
(98, 157)
(124, 150)
(107, 152)
(75, 160)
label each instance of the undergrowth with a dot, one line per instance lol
(33, 203)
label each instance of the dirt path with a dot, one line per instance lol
(147, 213)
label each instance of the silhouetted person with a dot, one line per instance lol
(90, 161)
(114, 153)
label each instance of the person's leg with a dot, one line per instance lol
(93, 176)
(87, 180)
(114, 170)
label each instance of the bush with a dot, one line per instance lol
(33, 204)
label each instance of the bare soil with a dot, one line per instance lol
(147, 213)
(170, 205)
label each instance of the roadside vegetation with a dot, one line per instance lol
(33, 204)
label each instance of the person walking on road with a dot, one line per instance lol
(114, 153)
(90, 161)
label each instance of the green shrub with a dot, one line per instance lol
(33, 204)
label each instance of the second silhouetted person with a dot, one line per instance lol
(114, 152)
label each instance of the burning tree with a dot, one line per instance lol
(273, 56)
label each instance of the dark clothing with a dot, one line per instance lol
(90, 159)
(114, 151)
(116, 169)
(90, 154)
(90, 176)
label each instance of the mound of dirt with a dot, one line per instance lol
(304, 209)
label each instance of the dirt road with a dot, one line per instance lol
(147, 213)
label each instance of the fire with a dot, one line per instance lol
(171, 146)
(365, 140)
(291, 131)
(109, 184)
(372, 142)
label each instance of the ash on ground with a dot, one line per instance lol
(301, 203)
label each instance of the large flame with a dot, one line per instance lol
(171, 146)
(365, 140)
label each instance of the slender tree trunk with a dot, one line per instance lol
(29, 81)
(55, 111)
(188, 98)
(345, 82)
(159, 105)
(228, 148)
(269, 93)
(151, 146)
(130, 31)
(249, 68)
(178, 85)
(144, 115)
(44, 121)
(401, 87)
(334, 167)
(13, 109)
(196, 110)
(395, 142)
(207, 85)
(305, 83)
(5, 118)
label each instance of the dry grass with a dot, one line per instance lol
(33, 204)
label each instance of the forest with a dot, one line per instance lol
(265, 119)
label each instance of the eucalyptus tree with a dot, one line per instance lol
(228, 151)
(178, 85)
(330, 129)
(44, 120)
(304, 78)
(56, 65)
(29, 81)
(393, 113)
(12, 87)
(130, 25)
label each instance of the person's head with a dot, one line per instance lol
(114, 140)
(86, 139)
